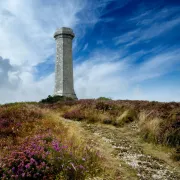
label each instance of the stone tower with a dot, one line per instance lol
(64, 85)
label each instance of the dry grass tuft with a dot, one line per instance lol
(150, 128)
(126, 117)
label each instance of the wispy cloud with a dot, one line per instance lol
(97, 76)
(156, 66)
(149, 25)
(85, 47)
(28, 33)
(154, 15)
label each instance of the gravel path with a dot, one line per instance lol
(127, 150)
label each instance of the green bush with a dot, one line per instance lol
(53, 99)
(104, 98)
(172, 130)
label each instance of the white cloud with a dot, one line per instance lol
(19, 85)
(127, 37)
(158, 65)
(153, 15)
(28, 90)
(149, 25)
(27, 28)
(97, 76)
(158, 28)
(26, 36)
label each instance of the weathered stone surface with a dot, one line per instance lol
(64, 85)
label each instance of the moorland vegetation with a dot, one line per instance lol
(35, 143)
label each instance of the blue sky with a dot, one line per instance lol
(122, 49)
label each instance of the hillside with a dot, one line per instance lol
(90, 139)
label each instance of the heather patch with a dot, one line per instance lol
(75, 114)
(17, 120)
(29, 160)
(44, 157)
(35, 144)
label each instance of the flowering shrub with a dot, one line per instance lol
(105, 106)
(86, 103)
(76, 114)
(73, 167)
(17, 119)
(44, 157)
(27, 161)
(12, 117)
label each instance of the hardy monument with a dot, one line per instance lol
(64, 65)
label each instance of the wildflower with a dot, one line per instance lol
(55, 145)
(13, 169)
(27, 166)
(32, 161)
(43, 164)
(81, 166)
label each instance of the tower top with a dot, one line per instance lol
(64, 32)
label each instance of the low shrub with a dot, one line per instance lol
(12, 117)
(75, 114)
(86, 103)
(171, 130)
(44, 157)
(104, 98)
(54, 99)
(28, 161)
(105, 105)
(21, 112)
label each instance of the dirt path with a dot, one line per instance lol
(131, 152)
(134, 163)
